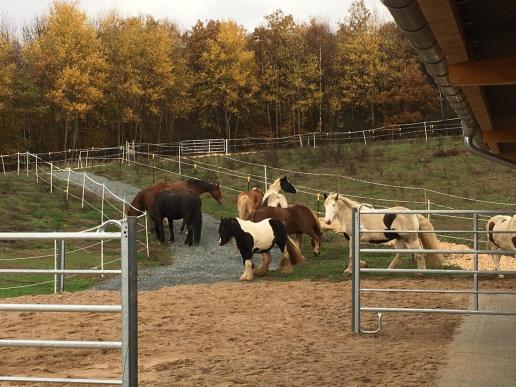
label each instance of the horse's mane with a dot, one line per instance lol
(201, 184)
(347, 202)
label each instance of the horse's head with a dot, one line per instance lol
(287, 185)
(331, 207)
(225, 231)
(215, 193)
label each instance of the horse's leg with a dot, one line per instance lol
(171, 228)
(189, 233)
(400, 244)
(349, 269)
(247, 275)
(285, 265)
(160, 231)
(182, 229)
(299, 239)
(420, 259)
(496, 258)
(264, 267)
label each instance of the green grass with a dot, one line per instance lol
(442, 165)
(28, 206)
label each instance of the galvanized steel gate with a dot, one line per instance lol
(357, 306)
(128, 307)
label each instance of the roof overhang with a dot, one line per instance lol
(469, 48)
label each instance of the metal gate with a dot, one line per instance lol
(358, 231)
(128, 307)
(208, 146)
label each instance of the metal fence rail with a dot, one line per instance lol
(358, 231)
(128, 307)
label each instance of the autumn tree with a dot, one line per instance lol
(67, 60)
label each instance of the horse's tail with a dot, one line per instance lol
(137, 206)
(294, 252)
(197, 227)
(430, 241)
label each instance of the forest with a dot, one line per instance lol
(69, 81)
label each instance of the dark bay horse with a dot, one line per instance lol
(173, 206)
(299, 219)
(144, 199)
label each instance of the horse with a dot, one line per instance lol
(340, 207)
(248, 202)
(253, 238)
(183, 205)
(497, 240)
(273, 197)
(144, 199)
(298, 218)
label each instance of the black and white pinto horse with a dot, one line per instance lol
(339, 207)
(254, 238)
(174, 206)
(273, 198)
(500, 240)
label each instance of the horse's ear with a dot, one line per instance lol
(325, 195)
(337, 197)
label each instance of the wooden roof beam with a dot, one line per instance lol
(499, 136)
(484, 72)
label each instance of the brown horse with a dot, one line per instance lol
(299, 220)
(248, 202)
(144, 200)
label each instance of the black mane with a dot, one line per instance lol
(201, 184)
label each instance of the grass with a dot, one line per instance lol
(28, 206)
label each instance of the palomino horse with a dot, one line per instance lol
(144, 199)
(253, 238)
(248, 202)
(183, 205)
(500, 240)
(340, 207)
(298, 218)
(273, 197)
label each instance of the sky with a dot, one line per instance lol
(185, 13)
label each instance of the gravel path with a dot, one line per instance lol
(206, 263)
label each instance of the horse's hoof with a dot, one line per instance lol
(246, 277)
(287, 269)
(347, 273)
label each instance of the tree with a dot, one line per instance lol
(66, 59)
(227, 84)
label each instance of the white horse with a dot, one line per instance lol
(340, 207)
(501, 241)
(273, 198)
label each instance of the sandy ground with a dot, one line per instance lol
(261, 333)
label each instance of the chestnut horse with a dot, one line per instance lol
(144, 200)
(248, 202)
(299, 219)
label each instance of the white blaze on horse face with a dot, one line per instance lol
(330, 211)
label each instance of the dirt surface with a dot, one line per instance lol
(261, 333)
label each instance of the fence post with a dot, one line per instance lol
(300, 142)
(102, 221)
(87, 158)
(3, 165)
(426, 135)
(227, 146)
(265, 177)
(153, 156)
(129, 304)
(209, 146)
(61, 256)
(27, 162)
(51, 177)
(179, 160)
(318, 195)
(248, 183)
(83, 188)
(18, 154)
(475, 259)
(68, 182)
(36, 168)
(147, 235)
(314, 140)
(355, 281)
(363, 134)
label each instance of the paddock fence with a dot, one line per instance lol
(357, 252)
(128, 307)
